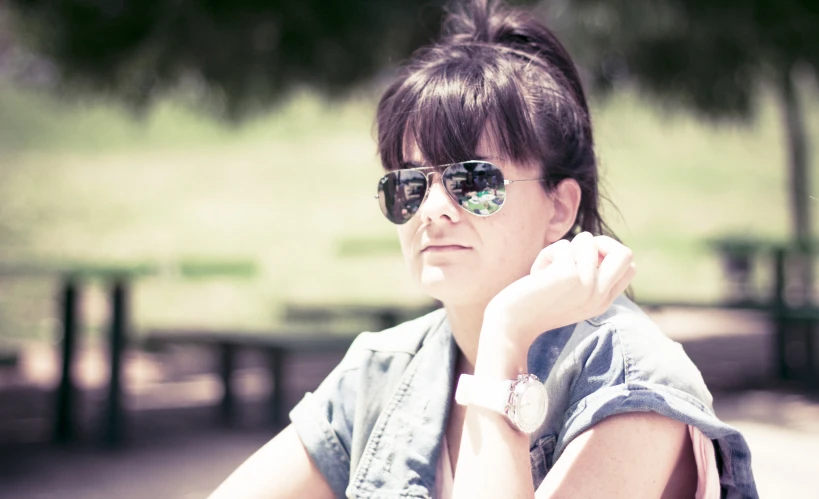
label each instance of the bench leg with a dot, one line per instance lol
(387, 319)
(811, 372)
(119, 321)
(226, 366)
(779, 307)
(63, 423)
(277, 409)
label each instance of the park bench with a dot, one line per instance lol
(794, 324)
(277, 345)
(309, 330)
(376, 317)
(790, 307)
(793, 315)
(119, 278)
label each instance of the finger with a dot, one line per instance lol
(557, 252)
(606, 244)
(623, 283)
(585, 254)
(615, 264)
(543, 260)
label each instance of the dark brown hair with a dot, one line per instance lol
(500, 70)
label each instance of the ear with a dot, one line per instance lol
(566, 201)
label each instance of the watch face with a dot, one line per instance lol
(530, 409)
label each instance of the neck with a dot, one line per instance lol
(466, 321)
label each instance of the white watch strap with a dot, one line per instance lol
(482, 392)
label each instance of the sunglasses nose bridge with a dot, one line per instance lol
(435, 206)
(428, 185)
(430, 182)
(430, 179)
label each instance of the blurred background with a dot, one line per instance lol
(189, 239)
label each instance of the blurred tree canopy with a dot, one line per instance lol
(246, 53)
(712, 56)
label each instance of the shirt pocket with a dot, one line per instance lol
(540, 457)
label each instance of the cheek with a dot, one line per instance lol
(520, 235)
(405, 236)
(500, 240)
(534, 218)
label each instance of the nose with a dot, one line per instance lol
(438, 203)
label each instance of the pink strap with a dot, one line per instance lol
(707, 472)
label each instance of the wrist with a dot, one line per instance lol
(499, 356)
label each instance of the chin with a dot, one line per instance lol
(452, 287)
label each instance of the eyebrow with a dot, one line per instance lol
(415, 164)
(410, 164)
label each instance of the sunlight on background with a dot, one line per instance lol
(229, 216)
(292, 191)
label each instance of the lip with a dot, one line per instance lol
(443, 248)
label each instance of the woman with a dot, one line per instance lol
(537, 378)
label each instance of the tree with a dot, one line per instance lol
(712, 56)
(246, 53)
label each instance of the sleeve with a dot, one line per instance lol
(324, 420)
(616, 376)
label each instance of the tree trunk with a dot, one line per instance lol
(797, 144)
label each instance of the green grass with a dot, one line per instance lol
(293, 191)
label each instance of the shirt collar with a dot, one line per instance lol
(401, 455)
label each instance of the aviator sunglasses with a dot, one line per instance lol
(476, 186)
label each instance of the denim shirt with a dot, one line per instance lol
(375, 425)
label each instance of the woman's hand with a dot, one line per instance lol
(568, 283)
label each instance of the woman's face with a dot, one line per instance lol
(462, 259)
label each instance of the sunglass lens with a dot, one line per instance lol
(477, 186)
(400, 194)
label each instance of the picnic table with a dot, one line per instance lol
(789, 301)
(119, 279)
(308, 328)
(794, 321)
(278, 344)
(378, 316)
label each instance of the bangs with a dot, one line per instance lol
(446, 109)
(497, 81)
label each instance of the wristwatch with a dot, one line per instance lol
(522, 400)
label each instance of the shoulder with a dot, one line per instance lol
(335, 421)
(620, 362)
(622, 348)
(617, 362)
(403, 340)
(650, 359)
(407, 337)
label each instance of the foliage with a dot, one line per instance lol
(246, 53)
(711, 56)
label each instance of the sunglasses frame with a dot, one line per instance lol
(440, 169)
